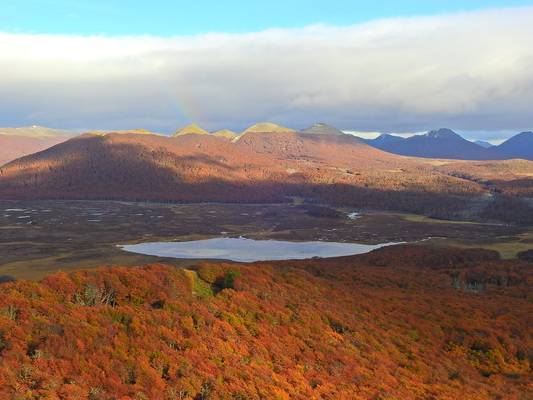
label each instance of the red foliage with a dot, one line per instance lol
(257, 168)
(404, 322)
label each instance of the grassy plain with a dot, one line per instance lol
(40, 237)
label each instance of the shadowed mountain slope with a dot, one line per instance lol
(441, 143)
(444, 143)
(483, 144)
(258, 168)
(384, 140)
(519, 146)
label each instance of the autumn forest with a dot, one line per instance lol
(403, 322)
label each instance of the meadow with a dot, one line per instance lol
(41, 237)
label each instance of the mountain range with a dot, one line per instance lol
(256, 167)
(483, 143)
(441, 143)
(200, 167)
(18, 142)
(261, 127)
(36, 131)
(519, 146)
(446, 144)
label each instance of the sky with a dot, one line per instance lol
(175, 17)
(388, 66)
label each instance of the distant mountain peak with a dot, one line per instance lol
(37, 131)
(388, 135)
(386, 138)
(137, 131)
(439, 143)
(442, 133)
(483, 144)
(267, 127)
(518, 146)
(321, 128)
(522, 136)
(191, 129)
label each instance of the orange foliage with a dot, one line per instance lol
(257, 168)
(404, 322)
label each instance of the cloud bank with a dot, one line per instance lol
(470, 71)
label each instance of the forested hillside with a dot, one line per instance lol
(262, 167)
(403, 322)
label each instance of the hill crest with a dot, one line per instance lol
(266, 127)
(191, 129)
(36, 131)
(322, 128)
(518, 146)
(225, 133)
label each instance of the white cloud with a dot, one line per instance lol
(363, 134)
(470, 71)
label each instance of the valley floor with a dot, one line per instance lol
(41, 237)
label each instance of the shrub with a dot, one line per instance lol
(526, 255)
(3, 342)
(229, 279)
(10, 312)
(92, 296)
(6, 279)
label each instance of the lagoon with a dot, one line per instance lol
(249, 250)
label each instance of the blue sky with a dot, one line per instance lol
(174, 17)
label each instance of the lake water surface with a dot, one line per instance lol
(248, 250)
